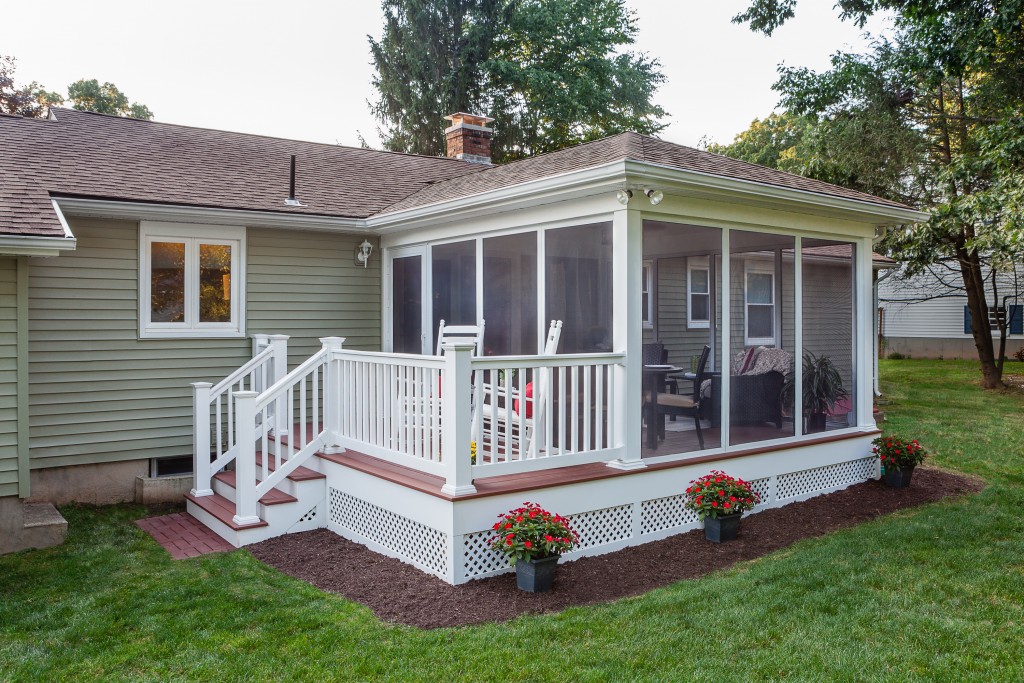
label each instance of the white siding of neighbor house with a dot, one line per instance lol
(8, 378)
(100, 394)
(941, 318)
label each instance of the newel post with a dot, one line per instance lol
(457, 418)
(279, 345)
(201, 438)
(245, 462)
(332, 396)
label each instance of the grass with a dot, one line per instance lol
(935, 593)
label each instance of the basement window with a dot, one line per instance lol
(169, 467)
(191, 280)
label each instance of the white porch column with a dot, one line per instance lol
(279, 344)
(333, 396)
(201, 438)
(863, 303)
(457, 418)
(245, 462)
(627, 336)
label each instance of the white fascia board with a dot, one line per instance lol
(605, 177)
(30, 245)
(879, 214)
(136, 211)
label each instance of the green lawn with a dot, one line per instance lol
(936, 593)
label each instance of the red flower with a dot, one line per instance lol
(527, 544)
(497, 525)
(728, 505)
(549, 538)
(732, 498)
(508, 525)
(714, 503)
(519, 518)
(721, 493)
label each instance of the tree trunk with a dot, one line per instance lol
(974, 285)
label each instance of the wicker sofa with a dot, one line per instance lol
(755, 391)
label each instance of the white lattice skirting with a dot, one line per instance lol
(601, 530)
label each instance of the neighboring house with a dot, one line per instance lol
(142, 258)
(927, 317)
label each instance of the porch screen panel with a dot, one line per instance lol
(453, 281)
(762, 309)
(510, 294)
(686, 291)
(578, 286)
(407, 298)
(828, 333)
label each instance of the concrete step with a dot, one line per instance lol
(35, 525)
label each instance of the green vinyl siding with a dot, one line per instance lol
(8, 377)
(100, 394)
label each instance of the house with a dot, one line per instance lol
(175, 301)
(926, 316)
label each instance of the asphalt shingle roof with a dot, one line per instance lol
(98, 156)
(93, 155)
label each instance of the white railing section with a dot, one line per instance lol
(214, 410)
(391, 406)
(539, 412)
(285, 425)
(424, 412)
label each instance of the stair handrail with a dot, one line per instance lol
(268, 364)
(257, 424)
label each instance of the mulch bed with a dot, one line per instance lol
(398, 592)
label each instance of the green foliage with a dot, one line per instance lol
(932, 116)
(897, 454)
(717, 495)
(90, 95)
(822, 385)
(31, 100)
(552, 73)
(530, 532)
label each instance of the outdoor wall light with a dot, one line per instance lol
(624, 196)
(655, 196)
(363, 252)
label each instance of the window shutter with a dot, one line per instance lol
(967, 320)
(1016, 313)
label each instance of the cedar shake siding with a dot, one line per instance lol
(100, 394)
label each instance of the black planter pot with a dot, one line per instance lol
(536, 575)
(718, 529)
(815, 423)
(898, 479)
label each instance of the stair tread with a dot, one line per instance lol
(274, 496)
(300, 474)
(222, 509)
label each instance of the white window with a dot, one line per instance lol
(698, 305)
(646, 287)
(759, 297)
(191, 280)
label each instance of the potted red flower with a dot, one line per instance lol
(533, 539)
(899, 458)
(720, 500)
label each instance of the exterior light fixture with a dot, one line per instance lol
(363, 252)
(624, 196)
(655, 196)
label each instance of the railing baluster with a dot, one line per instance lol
(561, 410)
(587, 407)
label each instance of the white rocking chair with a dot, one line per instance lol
(464, 333)
(509, 418)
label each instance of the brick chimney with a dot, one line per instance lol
(469, 138)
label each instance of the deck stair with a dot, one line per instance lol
(295, 505)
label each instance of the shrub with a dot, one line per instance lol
(1019, 354)
(897, 454)
(896, 355)
(530, 532)
(717, 494)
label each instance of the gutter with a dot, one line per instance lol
(32, 245)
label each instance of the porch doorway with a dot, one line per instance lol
(409, 315)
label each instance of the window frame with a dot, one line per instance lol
(192, 236)
(647, 287)
(758, 268)
(697, 263)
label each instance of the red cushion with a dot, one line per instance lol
(749, 360)
(529, 400)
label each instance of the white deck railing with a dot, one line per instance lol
(523, 413)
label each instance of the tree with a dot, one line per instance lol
(31, 100)
(429, 64)
(89, 95)
(932, 117)
(553, 73)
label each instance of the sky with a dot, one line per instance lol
(301, 69)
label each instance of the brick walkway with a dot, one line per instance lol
(182, 535)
